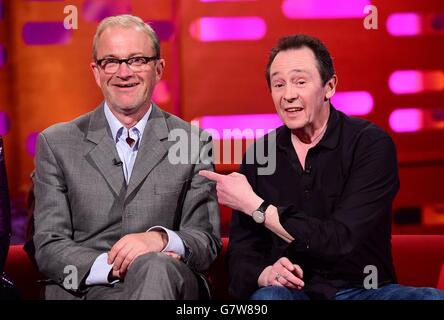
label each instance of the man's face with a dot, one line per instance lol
(296, 88)
(127, 91)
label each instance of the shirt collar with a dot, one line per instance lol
(115, 125)
(331, 137)
(329, 140)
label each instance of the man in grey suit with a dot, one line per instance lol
(114, 218)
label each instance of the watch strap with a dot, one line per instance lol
(264, 205)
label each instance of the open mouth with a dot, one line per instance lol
(126, 85)
(294, 109)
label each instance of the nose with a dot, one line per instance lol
(124, 70)
(290, 93)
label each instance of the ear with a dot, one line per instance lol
(160, 66)
(330, 87)
(96, 73)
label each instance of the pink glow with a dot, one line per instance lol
(228, 29)
(414, 81)
(161, 92)
(404, 24)
(406, 81)
(5, 123)
(31, 142)
(226, 0)
(406, 120)
(96, 10)
(255, 125)
(324, 9)
(354, 103)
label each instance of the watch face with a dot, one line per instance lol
(258, 216)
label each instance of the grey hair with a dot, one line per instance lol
(125, 21)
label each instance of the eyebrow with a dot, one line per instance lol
(296, 70)
(129, 56)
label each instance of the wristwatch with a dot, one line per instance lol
(259, 214)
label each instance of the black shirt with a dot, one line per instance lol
(338, 209)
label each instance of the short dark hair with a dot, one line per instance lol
(297, 41)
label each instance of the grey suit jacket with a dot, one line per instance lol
(83, 205)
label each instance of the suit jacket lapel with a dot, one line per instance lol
(152, 150)
(104, 151)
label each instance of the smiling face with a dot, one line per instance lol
(127, 92)
(300, 98)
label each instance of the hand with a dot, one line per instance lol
(115, 274)
(282, 273)
(172, 255)
(234, 191)
(127, 249)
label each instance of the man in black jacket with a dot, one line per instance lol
(319, 226)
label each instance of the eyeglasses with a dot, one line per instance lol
(136, 64)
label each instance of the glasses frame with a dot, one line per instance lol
(125, 60)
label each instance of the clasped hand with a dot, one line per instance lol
(128, 248)
(282, 273)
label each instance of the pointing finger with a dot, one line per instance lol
(211, 175)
